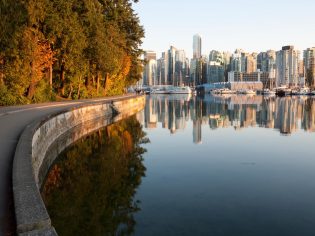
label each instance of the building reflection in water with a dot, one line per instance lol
(285, 114)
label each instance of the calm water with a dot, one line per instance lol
(235, 165)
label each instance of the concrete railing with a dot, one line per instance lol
(39, 145)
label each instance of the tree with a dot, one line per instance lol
(71, 48)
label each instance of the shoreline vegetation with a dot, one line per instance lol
(67, 49)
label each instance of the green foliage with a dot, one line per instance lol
(43, 93)
(92, 48)
(90, 189)
(6, 98)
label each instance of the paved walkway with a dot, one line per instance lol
(12, 122)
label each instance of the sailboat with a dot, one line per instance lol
(269, 92)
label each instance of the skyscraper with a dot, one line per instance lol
(309, 64)
(171, 65)
(180, 67)
(149, 55)
(287, 63)
(216, 56)
(251, 63)
(149, 74)
(236, 61)
(197, 46)
(215, 72)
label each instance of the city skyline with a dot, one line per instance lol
(269, 69)
(226, 25)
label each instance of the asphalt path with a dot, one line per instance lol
(13, 120)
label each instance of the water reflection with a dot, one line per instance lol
(90, 189)
(286, 114)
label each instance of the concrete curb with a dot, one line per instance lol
(31, 215)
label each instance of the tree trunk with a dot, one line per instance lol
(71, 90)
(93, 80)
(62, 79)
(106, 78)
(98, 82)
(105, 83)
(31, 90)
(78, 94)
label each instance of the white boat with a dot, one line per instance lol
(250, 91)
(312, 93)
(268, 92)
(159, 91)
(304, 91)
(181, 90)
(246, 91)
(216, 91)
(227, 91)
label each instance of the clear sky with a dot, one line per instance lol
(253, 25)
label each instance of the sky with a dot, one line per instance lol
(224, 25)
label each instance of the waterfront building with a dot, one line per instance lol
(266, 63)
(287, 61)
(193, 70)
(197, 63)
(149, 75)
(301, 69)
(251, 63)
(173, 68)
(244, 81)
(243, 62)
(160, 71)
(171, 65)
(216, 56)
(235, 76)
(309, 65)
(226, 56)
(236, 61)
(180, 68)
(215, 72)
(149, 55)
(197, 46)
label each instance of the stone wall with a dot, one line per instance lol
(42, 141)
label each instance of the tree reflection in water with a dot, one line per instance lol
(90, 189)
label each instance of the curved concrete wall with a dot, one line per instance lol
(39, 145)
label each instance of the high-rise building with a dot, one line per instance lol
(236, 61)
(216, 56)
(251, 63)
(215, 72)
(171, 65)
(150, 69)
(197, 46)
(309, 65)
(149, 55)
(193, 71)
(150, 75)
(287, 63)
(180, 67)
(160, 71)
(266, 61)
